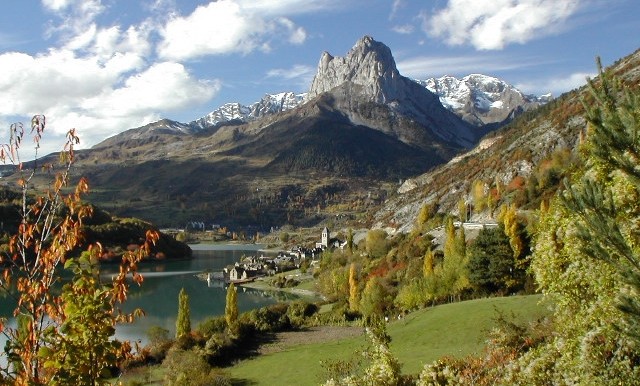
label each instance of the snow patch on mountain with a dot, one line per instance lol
(268, 105)
(482, 99)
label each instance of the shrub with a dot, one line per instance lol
(159, 343)
(299, 311)
(188, 368)
(212, 326)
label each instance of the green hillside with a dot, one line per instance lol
(455, 329)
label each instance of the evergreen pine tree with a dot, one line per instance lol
(607, 198)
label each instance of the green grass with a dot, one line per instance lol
(457, 329)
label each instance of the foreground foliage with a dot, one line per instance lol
(62, 337)
(587, 257)
(587, 261)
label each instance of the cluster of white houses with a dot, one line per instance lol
(252, 267)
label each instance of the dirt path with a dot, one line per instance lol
(318, 334)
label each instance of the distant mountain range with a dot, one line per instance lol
(476, 98)
(341, 148)
(481, 99)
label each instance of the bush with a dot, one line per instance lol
(268, 319)
(188, 368)
(298, 312)
(212, 326)
(159, 343)
(284, 282)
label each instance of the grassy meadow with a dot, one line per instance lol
(457, 329)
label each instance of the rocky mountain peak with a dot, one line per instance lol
(368, 64)
(481, 99)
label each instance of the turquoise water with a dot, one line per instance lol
(158, 295)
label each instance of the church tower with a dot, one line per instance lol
(325, 237)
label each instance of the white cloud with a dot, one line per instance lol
(297, 71)
(99, 99)
(299, 74)
(216, 28)
(76, 15)
(435, 66)
(162, 87)
(493, 24)
(297, 35)
(556, 85)
(397, 4)
(56, 5)
(404, 29)
(234, 26)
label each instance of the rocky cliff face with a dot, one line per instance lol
(369, 64)
(368, 75)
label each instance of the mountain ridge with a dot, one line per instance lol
(340, 149)
(512, 163)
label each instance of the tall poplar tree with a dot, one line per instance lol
(428, 264)
(353, 288)
(231, 308)
(183, 322)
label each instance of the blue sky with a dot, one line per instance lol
(104, 66)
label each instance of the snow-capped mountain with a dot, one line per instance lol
(476, 98)
(269, 104)
(481, 99)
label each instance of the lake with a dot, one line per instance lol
(163, 280)
(158, 295)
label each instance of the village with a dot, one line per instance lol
(250, 268)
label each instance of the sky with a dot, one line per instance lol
(105, 66)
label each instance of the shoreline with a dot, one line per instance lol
(225, 247)
(304, 293)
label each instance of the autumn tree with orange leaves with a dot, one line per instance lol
(65, 314)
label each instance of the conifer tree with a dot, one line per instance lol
(231, 308)
(183, 322)
(586, 256)
(607, 199)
